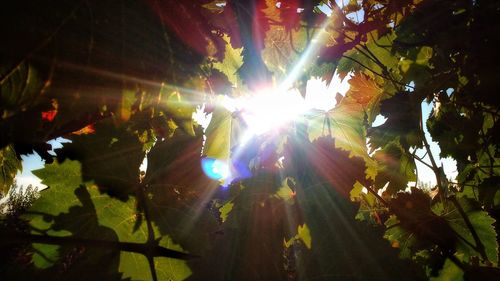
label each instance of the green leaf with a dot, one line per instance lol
(182, 110)
(19, 89)
(110, 157)
(283, 50)
(233, 60)
(396, 167)
(424, 55)
(218, 133)
(356, 192)
(381, 49)
(71, 206)
(345, 123)
(480, 220)
(449, 272)
(399, 237)
(347, 127)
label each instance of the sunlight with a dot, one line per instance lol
(321, 96)
(263, 114)
(270, 110)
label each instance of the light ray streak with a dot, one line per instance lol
(310, 54)
(125, 77)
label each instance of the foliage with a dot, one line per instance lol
(329, 196)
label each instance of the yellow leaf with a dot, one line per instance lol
(225, 210)
(305, 235)
(285, 192)
(128, 99)
(357, 192)
(424, 55)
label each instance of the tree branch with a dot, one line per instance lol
(140, 248)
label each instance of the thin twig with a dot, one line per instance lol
(376, 73)
(422, 161)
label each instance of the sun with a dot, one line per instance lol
(266, 112)
(270, 109)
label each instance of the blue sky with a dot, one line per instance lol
(34, 162)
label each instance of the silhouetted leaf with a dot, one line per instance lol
(109, 144)
(72, 207)
(402, 111)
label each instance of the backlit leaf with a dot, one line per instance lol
(231, 63)
(480, 221)
(225, 210)
(304, 235)
(73, 207)
(218, 143)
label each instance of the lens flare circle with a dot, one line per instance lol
(214, 168)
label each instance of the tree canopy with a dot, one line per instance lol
(275, 186)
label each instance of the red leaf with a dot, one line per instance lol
(89, 129)
(50, 114)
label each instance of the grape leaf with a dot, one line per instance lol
(73, 207)
(218, 132)
(336, 165)
(395, 166)
(361, 60)
(480, 221)
(363, 89)
(282, 50)
(231, 63)
(285, 192)
(18, 89)
(345, 123)
(109, 144)
(367, 93)
(449, 272)
(416, 217)
(442, 124)
(181, 104)
(304, 235)
(402, 111)
(174, 163)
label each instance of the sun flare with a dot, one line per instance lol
(263, 113)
